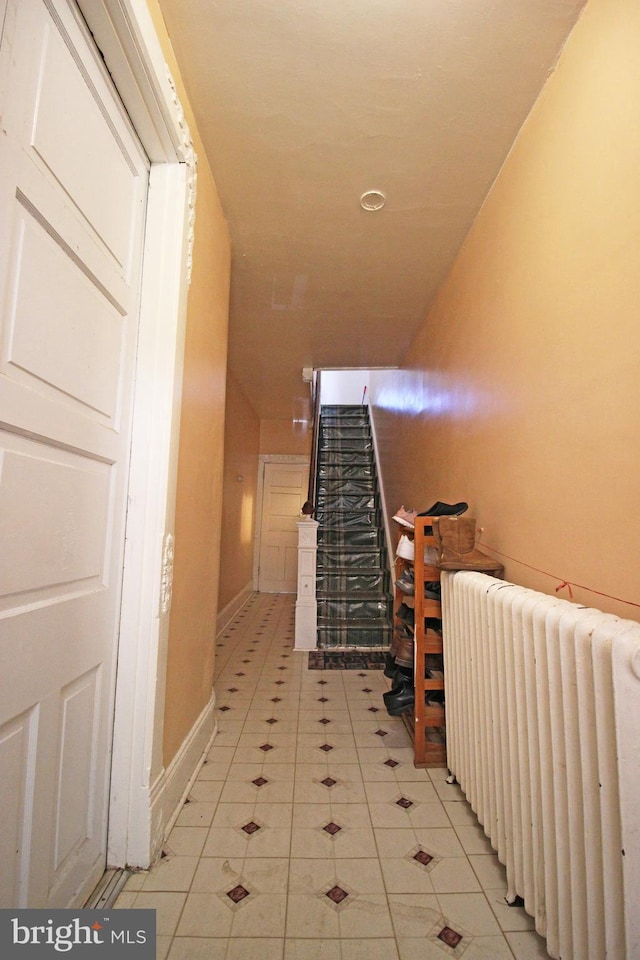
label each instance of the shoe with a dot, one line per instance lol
(405, 654)
(403, 680)
(405, 518)
(436, 735)
(434, 698)
(401, 702)
(440, 509)
(433, 590)
(404, 699)
(390, 668)
(405, 614)
(390, 694)
(406, 582)
(405, 548)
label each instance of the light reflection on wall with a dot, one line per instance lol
(246, 518)
(418, 393)
(301, 416)
(300, 428)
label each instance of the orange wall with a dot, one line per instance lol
(242, 437)
(521, 393)
(199, 493)
(247, 437)
(284, 437)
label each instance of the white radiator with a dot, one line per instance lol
(543, 736)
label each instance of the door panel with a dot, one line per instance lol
(72, 152)
(78, 352)
(73, 185)
(18, 738)
(79, 727)
(56, 539)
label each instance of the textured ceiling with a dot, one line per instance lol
(303, 105)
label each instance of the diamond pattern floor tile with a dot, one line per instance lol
(308, 834)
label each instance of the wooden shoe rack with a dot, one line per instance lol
(426, 723)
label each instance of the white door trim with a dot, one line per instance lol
(124, 32)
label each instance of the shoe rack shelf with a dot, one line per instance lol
(426, 721)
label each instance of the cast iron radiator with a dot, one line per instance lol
(543, 736)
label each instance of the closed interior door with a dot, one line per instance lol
(284, 492)
(73, 187)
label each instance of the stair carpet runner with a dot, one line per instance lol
(353, 583)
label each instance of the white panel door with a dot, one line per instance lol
(73, 187)
(284, 491)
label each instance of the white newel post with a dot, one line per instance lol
(306, 606)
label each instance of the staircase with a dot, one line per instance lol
(352, 583)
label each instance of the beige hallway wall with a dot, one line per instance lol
(521, 394)
(242, 439)
(285, 437)
(199, 495)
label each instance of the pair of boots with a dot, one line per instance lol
(399, 669)
(455, 541)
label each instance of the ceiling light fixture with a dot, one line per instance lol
(373, 200)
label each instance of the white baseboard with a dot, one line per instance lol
(226, 615)
(171, 789)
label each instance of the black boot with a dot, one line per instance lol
(390, 668)
(401, 680)
(401, 702)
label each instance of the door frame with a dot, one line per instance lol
(125, 34)
(263, 459)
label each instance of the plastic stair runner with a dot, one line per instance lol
(353, 585)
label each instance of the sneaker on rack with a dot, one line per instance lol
(406, 518)
(405, 548)
(440, 509)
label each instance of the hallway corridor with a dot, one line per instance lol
(308, 833)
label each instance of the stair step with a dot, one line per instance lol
(350, 539)
(335, 525)
(337, 445)
(345, 581)
(346, 471)
(330, 486)
(339, 458)
(344, 410)
(344, 431)
(347, 501)
(354, 420)
(332, 557)
(350, 633)
(340, 519)
(330, 517)
(354, 608)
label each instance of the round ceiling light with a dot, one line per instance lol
(373, 200)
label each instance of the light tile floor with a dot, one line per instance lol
(309, 834)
